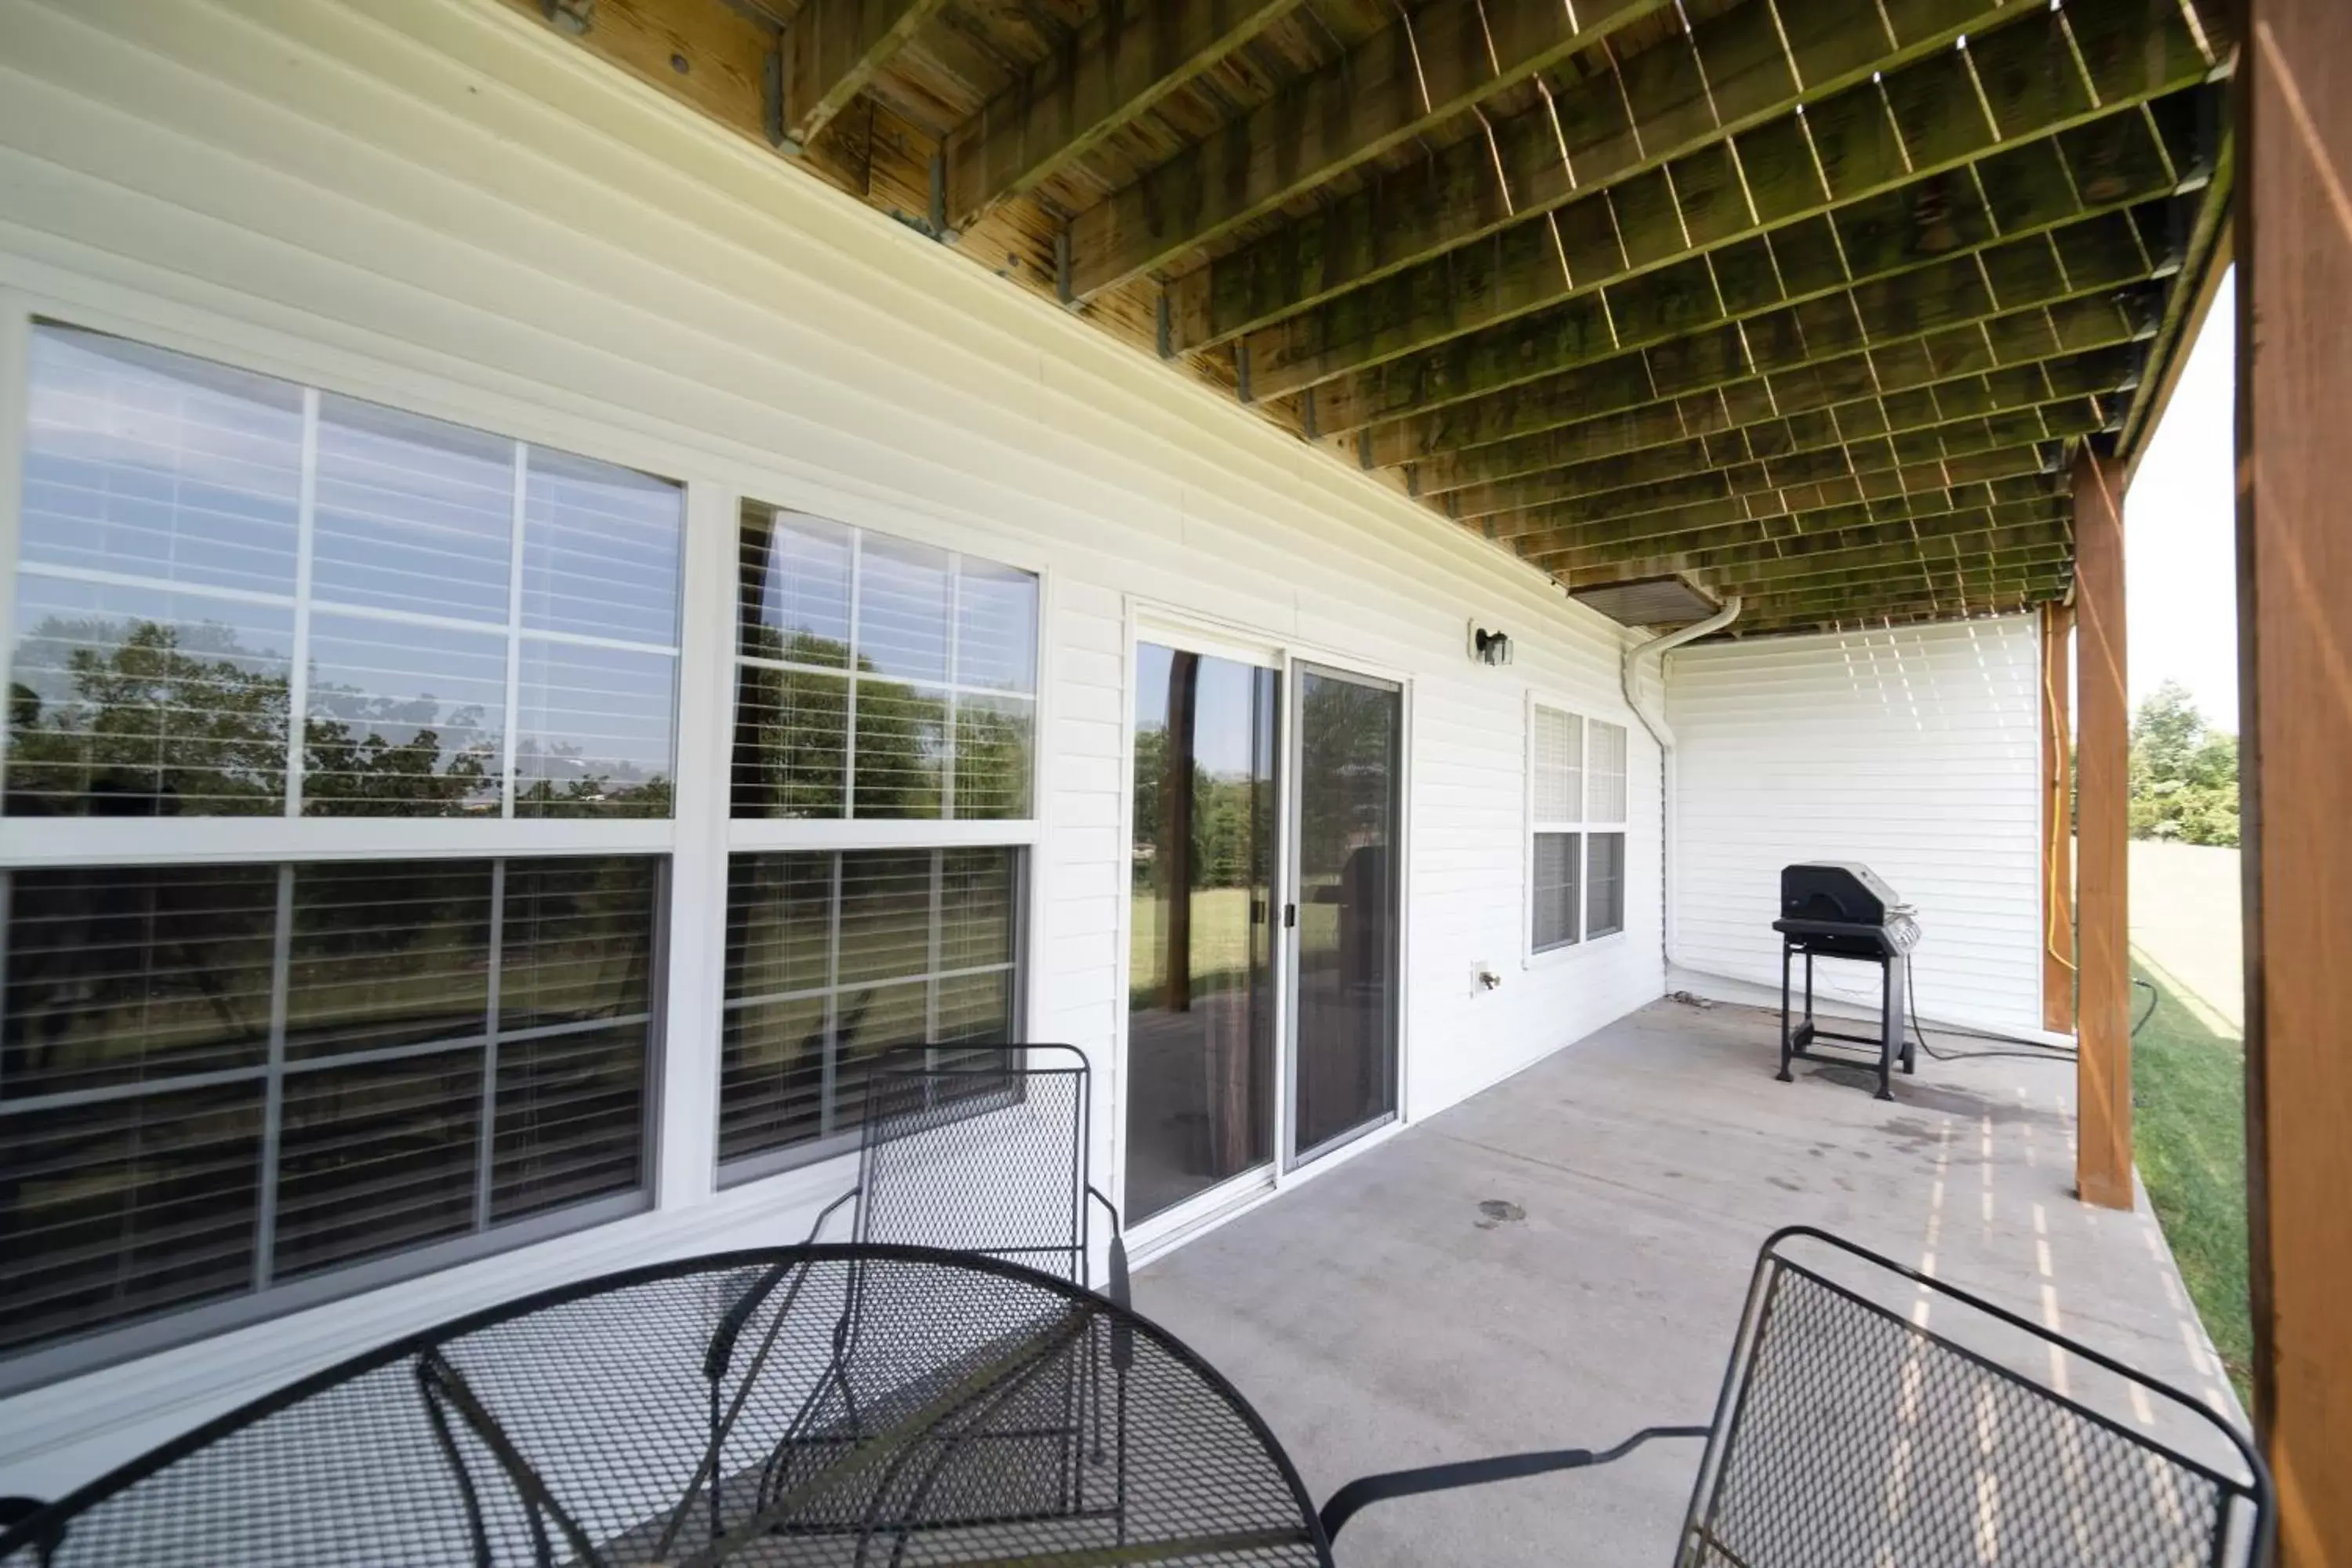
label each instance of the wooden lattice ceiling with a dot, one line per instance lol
(1807, 301)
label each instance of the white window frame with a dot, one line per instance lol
(776, 835)
(1584, 824)
(45, 842)
(683, 1204)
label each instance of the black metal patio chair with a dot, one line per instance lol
(569, 1428)
(1872, 1414)
(982, 1151)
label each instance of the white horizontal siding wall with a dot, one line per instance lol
(1915, 751)
(438, 204)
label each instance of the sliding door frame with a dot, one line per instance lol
(1153, 621)
(1292, 785)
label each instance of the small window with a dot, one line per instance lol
(1576, 808)
(878, 679)
(832, 957)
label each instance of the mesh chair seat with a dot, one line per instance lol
(572, 1427)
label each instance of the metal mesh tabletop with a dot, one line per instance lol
(885, 1405)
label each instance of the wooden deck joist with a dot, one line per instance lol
(1829, 529)
(1833, 476)
(1607, 121)
(1433, 64)
(1125, 59)
(1890, 265)
(1798, 562)
(1814, 164)
(1964, 359)
(1766, 452)
(1825, 531)
(1777, 374)
(1813, 298)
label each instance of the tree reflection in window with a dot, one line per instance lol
(840, 711)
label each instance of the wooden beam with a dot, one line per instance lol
(1430, 65)
(1858, 147)
(2102, 1158)
(1749, 381)
(1979, 568)
(833, 48)
(1127, 57)
(1830, 528)
(2057, 631)
(1930, 247)
(726, 53)
(1793, 552)
(1892, 597)
(2205, 254)
(1926, 479)
(1835, 474)
(1887, 614)
(1606, 121)
(2294, 244)
(1950, 595)
(1758, 458)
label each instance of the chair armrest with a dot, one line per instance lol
(731, 1326)
(1117, 1289)
(1123, 1337)
(1358, 1493)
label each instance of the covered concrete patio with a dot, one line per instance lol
(1562, 1260)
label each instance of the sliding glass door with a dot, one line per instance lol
(1346, 754)
(1201, 1004)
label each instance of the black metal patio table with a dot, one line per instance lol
(965, 1411)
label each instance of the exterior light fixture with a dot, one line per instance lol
(1489, 647)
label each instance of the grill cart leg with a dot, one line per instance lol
(1903, 1018)
(1887, 1028)
(1787, 1044)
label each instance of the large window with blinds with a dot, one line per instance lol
(881, 787)
(1576, 828)
(269, 1061)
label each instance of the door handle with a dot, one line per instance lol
(1290, 917)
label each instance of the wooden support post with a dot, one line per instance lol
(2103, 1157)
(2057, 823)
(2294, 245)
(1175, 851)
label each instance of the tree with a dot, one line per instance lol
(2184, 773)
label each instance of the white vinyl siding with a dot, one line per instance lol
(1914, 751)
(443, 206)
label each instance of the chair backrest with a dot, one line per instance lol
(1873, 1415)
(980, 1151)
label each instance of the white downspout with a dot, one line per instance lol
(1630, 677)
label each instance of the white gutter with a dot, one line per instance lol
(1629, 678)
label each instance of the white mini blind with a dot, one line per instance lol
(1558, 766)
(1604, 769)
(241, 596)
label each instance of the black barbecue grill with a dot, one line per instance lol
(1839, 909)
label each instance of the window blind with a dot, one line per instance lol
(457, 624)
(218, 1078)
(1558, 766)
(835, 957)
(880, 679)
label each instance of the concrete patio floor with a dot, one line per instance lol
(1379, 1317)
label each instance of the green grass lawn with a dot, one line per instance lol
(2189, 1093)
